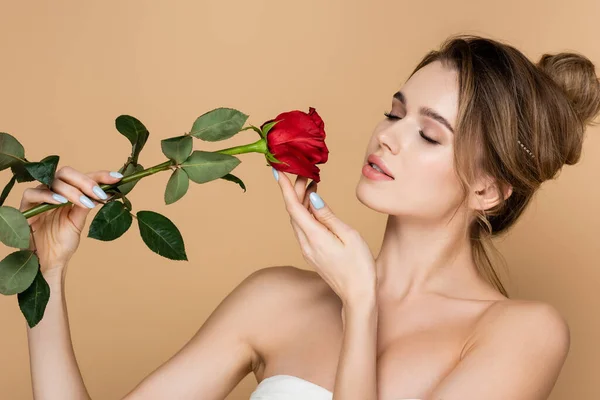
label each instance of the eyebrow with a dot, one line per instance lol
(426, 111)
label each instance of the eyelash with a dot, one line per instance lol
(394, 117)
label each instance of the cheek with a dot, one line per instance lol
(441, 174)
(434, 184)
(445, 189)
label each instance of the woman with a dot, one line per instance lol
(469, 138)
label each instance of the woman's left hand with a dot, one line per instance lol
(337, 251)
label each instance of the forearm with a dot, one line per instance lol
(357, 366)
(54, 370)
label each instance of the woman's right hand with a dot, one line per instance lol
(56, 233)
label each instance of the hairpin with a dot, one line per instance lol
(526, 149)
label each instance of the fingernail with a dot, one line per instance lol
(275, 174)
(316, 200)
(116, 174)
(60, 198)
(99, 192)
(86, 201)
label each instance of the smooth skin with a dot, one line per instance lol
(442, 332)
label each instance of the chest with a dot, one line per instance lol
(416, 347)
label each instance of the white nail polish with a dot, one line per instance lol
(99, 192)
(60, 198)
(86, 201)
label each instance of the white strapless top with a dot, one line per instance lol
(288, 387)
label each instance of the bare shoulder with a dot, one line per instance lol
(281, 293)
(514, 315)
(261, 302)
(283, 282)
(536, 325)
(282, 273)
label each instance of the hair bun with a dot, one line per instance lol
(576, 75)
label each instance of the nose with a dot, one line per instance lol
(385, 138)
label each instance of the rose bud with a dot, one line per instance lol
(297, 140)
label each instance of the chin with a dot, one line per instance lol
(370, 197)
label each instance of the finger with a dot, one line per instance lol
(300, 186)
(78, 215)
(300, 235)
(86, 183)
(323, 213)
(40, 194)
(301, 216)
(72, 193)
(103, 176)
(312, 187)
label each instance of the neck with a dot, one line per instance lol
(417, 258)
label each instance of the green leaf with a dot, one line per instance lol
(177, 148)
(218, 124)
(233, 178)
(7, 189)
(14, 228)
(177, 186)
(19, 172)
(110, 222)
(267, 127)
(43, 171)
(130, 169)
(135, 131)
(161, 235)
(205, 166)
(17, 271)
(11, 151)
(34, 299)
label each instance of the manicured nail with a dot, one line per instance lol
(116, 174)
(99, 192)
(275, 174)
(316, 200)
(60, 198)
(86, 201)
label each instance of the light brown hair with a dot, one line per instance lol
(505, 98)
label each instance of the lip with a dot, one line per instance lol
(380, 163)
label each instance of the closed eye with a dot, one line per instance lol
(395, 117)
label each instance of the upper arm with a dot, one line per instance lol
(517, 354)
(219, 355)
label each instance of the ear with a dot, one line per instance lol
(487, 193)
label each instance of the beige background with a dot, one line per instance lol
(69, 68)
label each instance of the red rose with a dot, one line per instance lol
(298, 141)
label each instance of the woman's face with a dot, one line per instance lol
(425, 184)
